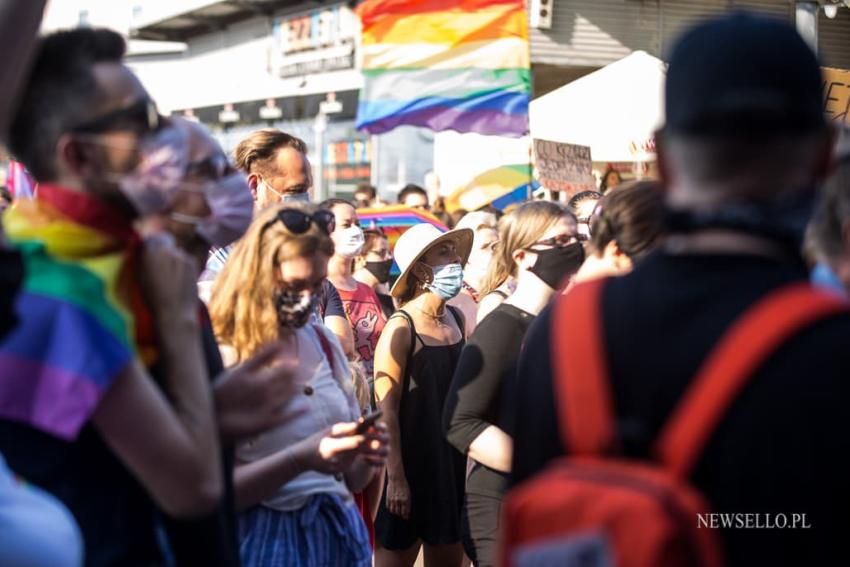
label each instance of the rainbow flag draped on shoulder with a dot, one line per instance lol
(78, 314)
(459, 65)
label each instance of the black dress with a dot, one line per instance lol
(434, 469)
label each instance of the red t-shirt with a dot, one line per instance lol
(363, 310)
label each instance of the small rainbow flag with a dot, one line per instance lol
(459, 65)
(78, 315)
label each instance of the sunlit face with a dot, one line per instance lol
(380, 251)
(292, 175)
(304, 274)
(442, 254)
(485, 239)
(584, 210)
(562, 233)
(345, 217)
(417, 201)
(108, 140)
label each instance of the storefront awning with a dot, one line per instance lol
(201, 17)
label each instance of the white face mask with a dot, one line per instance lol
(349, 241)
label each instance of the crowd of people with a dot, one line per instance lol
(200, 365)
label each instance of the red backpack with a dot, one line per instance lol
(595, 509)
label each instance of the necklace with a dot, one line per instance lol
(437, 317)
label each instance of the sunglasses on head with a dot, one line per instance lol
(298, 222)
(141, 116)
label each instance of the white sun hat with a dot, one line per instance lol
(417, 241)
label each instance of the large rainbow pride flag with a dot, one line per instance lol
(78, 321)
(459, 65)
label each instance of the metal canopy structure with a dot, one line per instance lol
(209, 16)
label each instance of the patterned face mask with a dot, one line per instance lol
(294, 308)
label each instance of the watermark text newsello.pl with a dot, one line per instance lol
(752, 521)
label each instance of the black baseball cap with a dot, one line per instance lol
(743, 74)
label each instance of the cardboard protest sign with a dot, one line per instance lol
(836, 90)
(563, 167)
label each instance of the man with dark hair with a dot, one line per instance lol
(744, 147)
(365, 195)
(97, 308)
(415, 197)
(276, 165)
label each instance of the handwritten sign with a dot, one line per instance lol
(836, 90)
(564, 167)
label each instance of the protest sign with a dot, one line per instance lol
(563, 167)
(836, 91)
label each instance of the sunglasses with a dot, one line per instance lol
(141, 116)
(560, 241)
(298, 222)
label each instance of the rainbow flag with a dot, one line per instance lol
(459, 65)
(77, 316)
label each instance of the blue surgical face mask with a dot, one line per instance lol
(303, 197)
(296, 197)
(448, 280)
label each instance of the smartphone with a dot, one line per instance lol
(364, 423)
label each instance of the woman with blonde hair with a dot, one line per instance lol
(500, 281)
(541, 246)
(303, 471)
(414, 362)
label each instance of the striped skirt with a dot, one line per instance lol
(326, 532)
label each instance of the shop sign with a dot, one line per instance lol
(836, 91)
(348, 162)
(563, 167)
(318, 41)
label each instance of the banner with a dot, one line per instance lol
(563, 167)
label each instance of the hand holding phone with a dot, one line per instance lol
(364, 423)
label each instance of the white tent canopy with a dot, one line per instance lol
(614, 110)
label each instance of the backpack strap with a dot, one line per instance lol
(326, 346)
(580, 371)
(743, 348)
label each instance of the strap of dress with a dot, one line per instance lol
(454, 311)
(412, 327)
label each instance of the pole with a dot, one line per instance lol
(806, 18)
(319, 186)
(375, 166)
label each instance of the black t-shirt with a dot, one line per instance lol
(485, 372)
(209, 540)
(331, 302)
(783, 447)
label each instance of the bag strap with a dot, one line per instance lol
(763, 328)
(580, 371)
(326, 346)
(587, 420)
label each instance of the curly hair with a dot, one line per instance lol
(241, 307)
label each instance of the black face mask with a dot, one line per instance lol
(11, 277)
(553, 265)
(381, 270)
